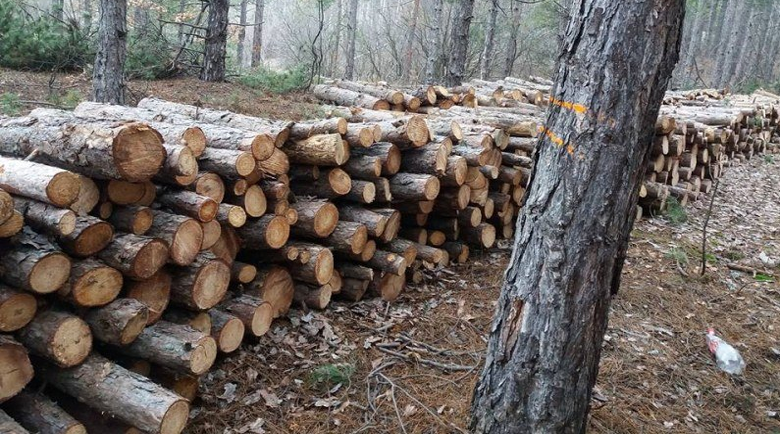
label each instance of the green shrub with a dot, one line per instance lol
(331, 375)
(40, 43)
(9, 104)
(675, 213)
(276, 82)
(148, 55)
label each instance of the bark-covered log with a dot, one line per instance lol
(17, 308)
(38, 181)
(202, 284)
(363, 167)
(350, 98)
(92, 283)
(313, 297)
(6, 206)
(190, 204)
(227, 163)
(200, 321)
(133, 398)
(348, 237)
(268, 232)
(319, 150)
(353, 289)
(212, 231)
(98, 149)
(388, 286)
(388, 262)
(315, 218)
(374, 222)
(60, 337)
(253, 201)
(123, 192)
(316, 271)
(408, 186)
(388, 153)
(393, 224)
(119, 322)
(208, 184)
(277, 164)
(174, 346)
(241, 272)
(227, 330)
(153, 292)
(256, 313)
(46, 218)
(361, 192)
(228, 245)
(180, 161)
(132, 219)
(332, 184)
(36, 412)
(137, 257)
(31, 262)
(90, 236)
(360, 135)
(184, 236)
(12, 226)
(274, 285)
(17, 370)
(408, 134)
(424, 160)
(304, 130)
(232, 215)
(426, 253)
(383, 192)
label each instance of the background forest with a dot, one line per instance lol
(278, 45)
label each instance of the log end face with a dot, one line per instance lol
(245, 164)
(324, 267)
(93, 239)
(231, 335)
(50, 273)
(262, 146)
(72, 342)
(187, 242)
(67, 224)
(208, 210)
(211, 284)
(417, 130)
(17, 371)
(138, 152)
(195, 139)
(255, 203)
(277, 233)
(63, 189)
(236, 217)
(203, 356)
(175, 418)
(326, 219)
(359, 239)
(17, 311)
(150, 259)
(97, 287)
(393, 162)
(135, 325)
(144, 219)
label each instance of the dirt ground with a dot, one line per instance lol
(410, 367)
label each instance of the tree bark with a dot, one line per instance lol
(434, 43)
(349, 73)
(257, 35)
(567, 265)
(60, 337)
(216, 41)
(31, 262)
(464, 13)
(514, 30)
(118, 323)
(240, 48)
(108, 79)
(38, 413)
(490, 35)
(17, 308)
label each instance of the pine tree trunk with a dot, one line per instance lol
(334, 57)
(434, 43)
(744, 56)
(726, 42)
(538, 378)
(490, 36)
(257, 35)
(461, 23)
(241, 35)
(216, 41)
(410, 41)
(108, 81)
(349, 74)
(511, 50)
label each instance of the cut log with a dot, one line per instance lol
(350, 98)
(46, 218)
(174, 346)
(407, 186)
(10, 426)
(405, 248)
(274, 285)
(425, 160)
(200, 321)
(360, 135)
(137, 257)
(208, 184)
(315, 218)
(393, 97)
(412, 133)
(374, 222)
(335, 282)
(227, 246)
(31, 262)
(92, 283)
(452, 198)
(304, 173)
(40, 182)
(133, 219)
(184, 236)
(153, 292)
(185, 385)
(277, 164)
(12, 226)
(242, 273)
(212, 231)
(190, 204)
(6, 206)
(92, 420)
(393, 224)
(254, 312)
(253, 201)
(483, 235)
(118, 323)
(60, 337)
(426, 253)
(304, 130)
(313, 297)
(98, 149)
(319, 150)
(123, 192)
(38, 413)
(388, 262)
(361, 192)
(363, 167)
(348, 237)
(131, 397)
(227, 330)
(382, 190)
(90, 236)
(387, 286)
(201, 285)
(275, 190)
(268, 232)
(17, 309)
(17, 370)
(319, 269)
(458, 251)
(180, 161)
(232, 215)
(229, 164)
(388, 153)
(332, 184)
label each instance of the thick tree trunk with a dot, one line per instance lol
(434, 43)
(727, 41)
(349, 73)
(514, 30)
(464, 13)
(108, 79)
(216, 41)
(257, 34)
(490, 35)
(410, 41)
(38, 413)
(567, 265)
(240, 48)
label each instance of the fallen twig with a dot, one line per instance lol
(444, 366)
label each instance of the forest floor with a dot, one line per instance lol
(411, 366)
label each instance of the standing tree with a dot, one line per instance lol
(572, 235)
(490, 36)
(349, 74)
(216, 41)
(434, 43)
(514, 31)
(464, 13)
(241, 34)
(108, 81)
(257, 35)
